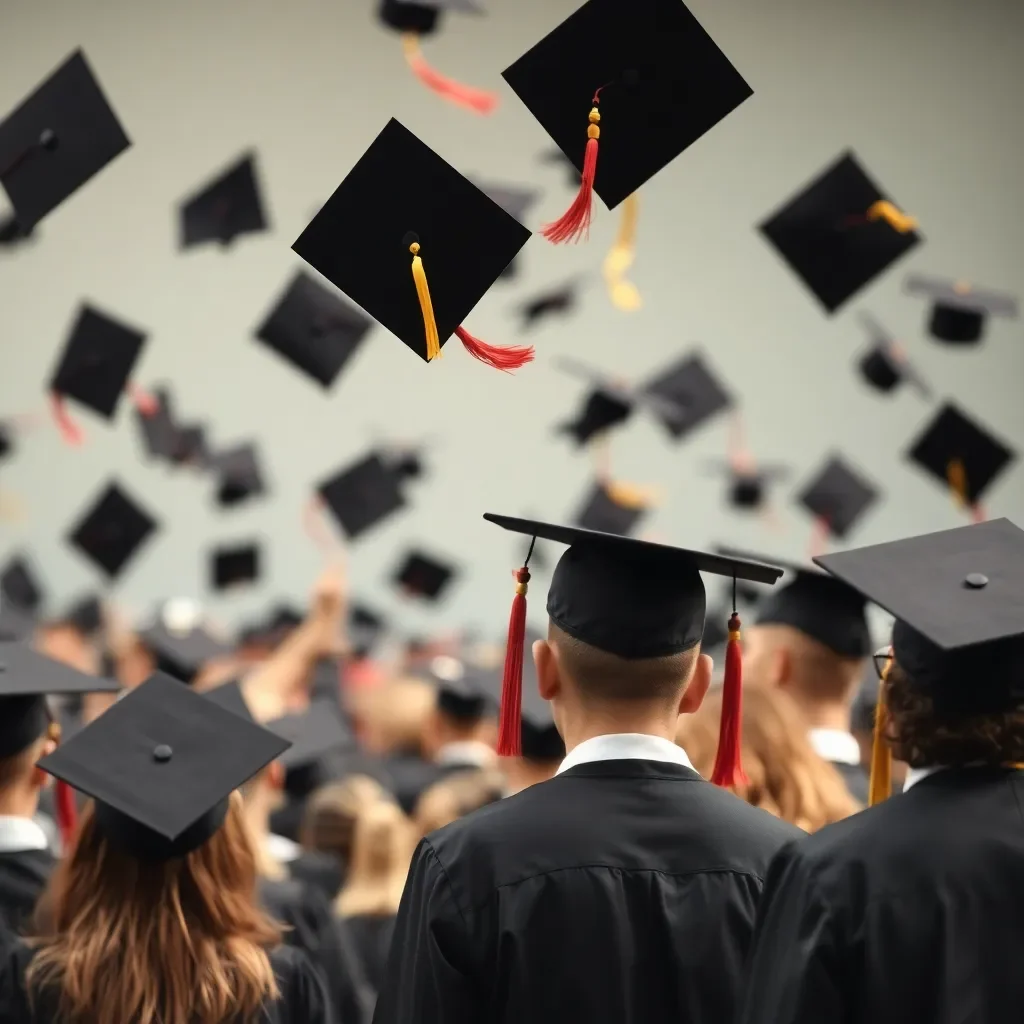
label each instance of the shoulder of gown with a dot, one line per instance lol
(13, 997)
(303, 998)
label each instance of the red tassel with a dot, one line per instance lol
(67, 813)
(146, 403)
(477, 100)
(728, 769)
(510, 722)
(69, 430)
(574, 224)
(508, 358)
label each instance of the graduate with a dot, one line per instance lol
(459, 734)
(623, 889)
(913, 910)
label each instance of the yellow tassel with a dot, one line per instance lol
(419, 275)
(956, 474)
(880, 784)
(623, 293)
(631, 496)
(411, 47)
(895, 218)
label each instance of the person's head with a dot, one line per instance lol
(463, 710)
(786, 776)
(161, 940)
(20, 780)
(64, 642)
(390, 717)
(382, 848)
(455, 796)
(329, 822)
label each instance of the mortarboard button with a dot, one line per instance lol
(840, 232)
(59, 138)
(397, 189)
(112, 530)
(690, 395)
(959, 310)
(228, 206)
(976, 580)
(162, 753)
(363, 494)
(839, 496)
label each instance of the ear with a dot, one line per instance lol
(780, 667)
(275, 775)
(697, 688)
(549, 681)
(41, 779)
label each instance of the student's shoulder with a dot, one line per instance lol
(297, 978)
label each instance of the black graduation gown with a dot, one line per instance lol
(910, 911)
(23, 877)
(619, 891)
(856, 780)
(320, 871)
(371, 935)
(302, 999)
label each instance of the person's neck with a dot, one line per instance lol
(19, 802)
(824, 714)
(257, 815)
(584, 724)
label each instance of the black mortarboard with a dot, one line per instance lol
(363, 494)
(840, 232)
(960, 452)
(958, 598)
(20, 586)
(662, 80)
(423, 575)
(59, 137)
(190, 448)
(406, 462)
(112, 530)
(959, 309)
(15, 623)
(422, 16)
(314, 329)
(157, 426)
(238, 474)
(161, 765)
(816, 604)
(561, 299)
(838, 496)
(365, 627)
(181, 649)
(312, 733)
(747, 485)
(604, 513)
(400, 194)
(97, 361)
(225, 208)
(885, 365)
(25, 679)
(12, 233)
(690, 394)
(540, 738)
(231, 566)
(602, 410)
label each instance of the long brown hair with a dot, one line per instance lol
(381, 853)
(786, 776)
(455, 796)
(180, 940)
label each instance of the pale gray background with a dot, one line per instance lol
(928, 93)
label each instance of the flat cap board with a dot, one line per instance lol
(229, 206)
(664, 83)
(401, 191)
(113, 530)
(839, 495)
(59, 137)
(362, 495)
(689, 393)
(423, 575)
(23, 673)
(602, 513)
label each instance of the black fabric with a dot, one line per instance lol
(423, 575)
(617, 891)
(690, 395)
(371, 934)
(23, 877)
(23, 720)
(823, 608)
(113, 530)
(839, 495)
(856, 779)
(320, 871)
(910, 911)
(223, 209)
(601, 411)
(363, 494)
(600, 511)
(410, 777)
(20, 585)
(960, 310)
(235, 565)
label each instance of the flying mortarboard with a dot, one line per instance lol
(112, 531)
(885, 365)
(414, 20)
(424, 576)
(238, 475)
(190, 448)
(161, 765)
(632, 599)
(157, 426)
(363, 494)
(59, 137)
(606, 512)
(12, 234)
(838, 496)
(840, 232)
(958, 308)
(965, 456)
(223, 209)
(747, 485)
(561, 299)
(235, 565)
(399, 199)
(314, 329)
(20, 586)
(689, 394)
(651, 72)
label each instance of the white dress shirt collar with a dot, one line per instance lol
(18, 835)
(472, 753)
(835, 745)
(629, 746)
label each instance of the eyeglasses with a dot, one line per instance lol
(882, 659)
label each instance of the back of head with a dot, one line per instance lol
(172, 940)
(455, 796)
(381, 851)
(328, 825)
(392, 715)
(785, 775)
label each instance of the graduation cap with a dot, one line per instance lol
(964, 455)
(401, 216)
(363, 494)
(224, 208)
(15, 622)
(515, 200)
(238, 475)
(179, 642)
(690, 393)
(540, 739)
(314, 329)
(959, 309)
(230, 696)
(838, 496)
(313, 733)
(112, 530)
(425, 576)
(748, 482)
(606, 512)
(235, 565)
(20, 586)
(407, 463)
(465, 691)
(157, 427)
(95, 366)
(161, 765)
(365, 627)
(632, 599)
(59, 137)
(190, 448)
(414, 20)
(649, 73)
(840, 232)
(818, 605)
(561, 299)
(885, 365)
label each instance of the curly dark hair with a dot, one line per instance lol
(923, 736)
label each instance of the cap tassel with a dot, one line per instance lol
(477, 100)
(67, 812)
(147, 404)
(510, 721)
(880, 779)
(956, 475)
(574, 224)
(419, 275)
(624, 294)
(69, 429)
(728, 770)
(899, 221)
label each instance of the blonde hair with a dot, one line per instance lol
(785, 775)
(329, 821)
(455, 796)
(381, 852)
(393, 715)
(171, 941)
